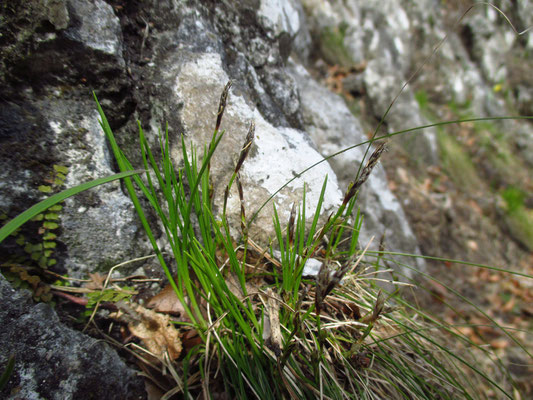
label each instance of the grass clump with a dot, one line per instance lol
(265, 329)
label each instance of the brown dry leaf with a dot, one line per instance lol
(262, 255)
(426, 186)
(351, 310)
(154, 329)
(527, 309)
(96, 281)
(152, 391)
(166, 302)
(235, 287)
(499, 344)
(190, 339)
(475, 207)
(509, 305)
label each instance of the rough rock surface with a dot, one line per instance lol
(167, 62)
(55, 362)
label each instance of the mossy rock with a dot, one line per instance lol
(520, 226)
(458, 163)
(518, 219)
(332, 46)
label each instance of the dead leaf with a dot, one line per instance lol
(190, 339)
(234, 285)
(509, 305)
(166, 302)
(499, 344)
(349, 309)
(96, 281)
(155, 330)
(361, 360)
(403, 176)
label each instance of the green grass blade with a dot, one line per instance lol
(42, 206)
(467, 263)
(7, 372)
(418, 128)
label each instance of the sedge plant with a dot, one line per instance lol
(268, 331)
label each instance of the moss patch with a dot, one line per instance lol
(520, 226)
(518, 218)
(332, 46)
(458, 164)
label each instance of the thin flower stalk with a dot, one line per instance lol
(374, 158)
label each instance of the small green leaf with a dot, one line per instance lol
(51, 216)
(92, 296)
(52, 261)
(49, 245)
(61, 169)
(61, 176)
(121, 296)
(45, 189)
(21, 240)
(35, 256)
(36, 247)
(48, 253)
(45, 298)
(57, 207)
(50, 225)
(49, 236)
(108, 295)
(58, 182)
(38, 217)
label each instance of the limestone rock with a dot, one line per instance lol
(55, 362)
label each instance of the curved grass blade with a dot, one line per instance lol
(8, 371)
(389, 135)
(462, 262)
(38, 208)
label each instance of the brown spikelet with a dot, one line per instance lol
(226, 195)
(291, 224)
(222, 105)
(365, 173)
(322, 282)
(372, 317)
(246, 147)
(326, 280)
(382, 243)
(244, 228)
